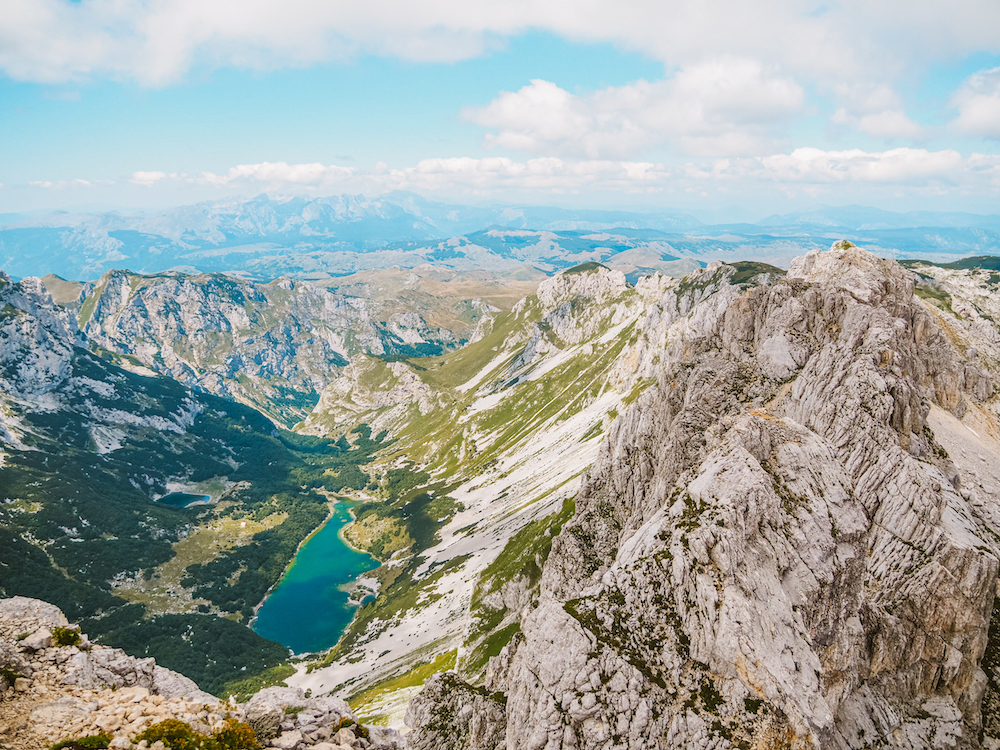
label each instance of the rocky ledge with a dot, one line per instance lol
(55, 685)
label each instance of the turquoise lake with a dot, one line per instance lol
(308, 609)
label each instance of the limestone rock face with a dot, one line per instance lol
(31, 613)
(101, 668)
(274, 346)
(449, 713)
(772, 549)
(44, 369)
(36, 339)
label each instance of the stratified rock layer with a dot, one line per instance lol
(772, 549)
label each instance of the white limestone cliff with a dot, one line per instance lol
(773, 547)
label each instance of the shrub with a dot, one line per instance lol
(65, 637)
(177, 735)
(94, 742)
(9, 675)
(360, 730)
(234, 736)
(173, 733)
(90, 742)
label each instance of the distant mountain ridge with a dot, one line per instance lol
(265, 237)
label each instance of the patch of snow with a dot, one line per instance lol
(107, 438)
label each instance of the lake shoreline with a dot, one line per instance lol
(343, 536)
(330, 506)
(312, 603)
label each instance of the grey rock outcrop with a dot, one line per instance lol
(772, 550)
(38, 640)
(36, 339)
(101, 668)
(62, 692)
(31, 613)
(11, 659)
(450, 713)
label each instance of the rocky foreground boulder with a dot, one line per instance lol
(55, 685)
(791, 541)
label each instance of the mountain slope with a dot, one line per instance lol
(86, 451)
(484, 446)
(790, 540)
(275, 346)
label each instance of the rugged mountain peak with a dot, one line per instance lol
(846, 266)
(774, 547)
(36, 338)
(591, 281)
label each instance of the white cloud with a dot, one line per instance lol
(308, 176)
(158, 42)
(906, 167)
(978, 103)
(874, 109)
(889, 124)
(843, 176)
(479, 176)
(148, 179)
(986, 167)
(545, 174)
(61, 184)
(900, 166)
(722, 107)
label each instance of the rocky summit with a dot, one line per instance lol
(789, 541)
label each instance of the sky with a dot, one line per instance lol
(725, 107)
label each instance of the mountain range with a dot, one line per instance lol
(319, 238)
(729, 506)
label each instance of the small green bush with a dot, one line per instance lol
(65, 636)
(90, 742)
(10, 675)
(360, 730)
(177, 735)
(94, 742)
(234, 736)
(173, 733)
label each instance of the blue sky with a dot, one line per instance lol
(690, 105)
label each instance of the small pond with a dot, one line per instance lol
(184, 499)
